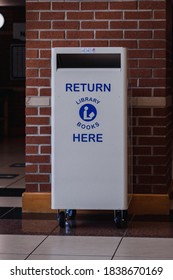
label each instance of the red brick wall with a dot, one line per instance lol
(144, 27)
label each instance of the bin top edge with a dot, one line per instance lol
(90, 50)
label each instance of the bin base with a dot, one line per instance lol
(67, 218)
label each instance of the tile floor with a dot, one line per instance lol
(38, 236)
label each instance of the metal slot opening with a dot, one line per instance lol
(88, 60)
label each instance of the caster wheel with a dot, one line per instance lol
(61, 219)
(71, 214)
(121, 218)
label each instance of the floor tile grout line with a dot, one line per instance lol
(36, 247)
(67, 255)
(3, 215)
(40, 243)
(117, 248)
(124, 234)
(15, 181)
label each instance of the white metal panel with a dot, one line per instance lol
(89, 156)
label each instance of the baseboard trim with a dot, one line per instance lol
(156, 204)
(36, 202)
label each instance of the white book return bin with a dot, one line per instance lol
(90, 151)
